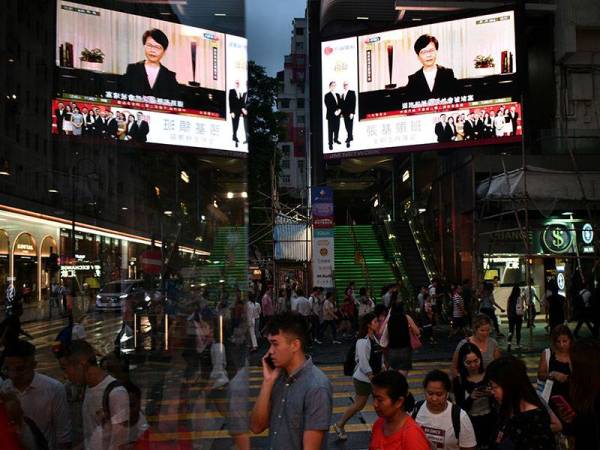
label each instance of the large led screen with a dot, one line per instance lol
(141, 80)
(427, 87)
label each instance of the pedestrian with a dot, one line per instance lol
(386, 299)
(348, 312)
(556, 307)
(531, 297)
(398, 351)
(329, 317)
(467, 295)
(524, 423)
(43, 399)
(472, 392)
(394, 429)
(281, 305)
(421, 298)
(366, 304)
(583, 310)
(105, 409)
(295, 401)
(582, 412)
(488, 304)
(459, 313)
(446, 426)
(426, 318)
(368, 363)
(514, 311)
(481, 338)
(555, 362)
(267, 307)
(253, 316)
(316, 314)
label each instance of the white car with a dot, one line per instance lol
(114, 294)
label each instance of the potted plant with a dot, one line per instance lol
(485, 65)
(92, 59)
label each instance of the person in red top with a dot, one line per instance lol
(395, 429)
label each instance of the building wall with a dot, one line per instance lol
(292, 102)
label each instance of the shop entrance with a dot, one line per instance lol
(25, 267)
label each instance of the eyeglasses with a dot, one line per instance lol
(154, 47)
(427, 52)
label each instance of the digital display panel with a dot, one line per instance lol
(427, 87)
(142, 80)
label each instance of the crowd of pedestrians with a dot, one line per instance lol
(482, 399)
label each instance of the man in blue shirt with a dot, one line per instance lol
(296, 399)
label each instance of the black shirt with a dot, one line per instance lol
(529, 430)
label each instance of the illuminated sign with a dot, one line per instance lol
(557, 238)
(587, 233)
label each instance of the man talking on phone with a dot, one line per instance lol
(295, 400)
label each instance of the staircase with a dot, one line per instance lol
(347, 266)
(228, 259)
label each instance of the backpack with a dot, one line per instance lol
(455, 416)
(133, 414)
(40, 440)
(375, 358)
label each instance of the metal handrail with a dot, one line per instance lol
(357, 247)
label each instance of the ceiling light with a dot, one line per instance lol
(124, 208)
(362, 18)
(405, 176)
(230, 195)
(53, 191)
(567, 213)
(168, 213)
(244, 195)
(220, 14)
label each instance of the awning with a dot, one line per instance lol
(543, 185)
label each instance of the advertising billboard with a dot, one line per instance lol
(426, 87)
(137, 79)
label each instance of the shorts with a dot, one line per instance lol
(399, 358)
(362, 388)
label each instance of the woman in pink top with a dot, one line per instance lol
(395, 429)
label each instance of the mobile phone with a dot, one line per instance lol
(562, 404)
(269, 361)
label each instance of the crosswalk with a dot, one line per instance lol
(181, 404)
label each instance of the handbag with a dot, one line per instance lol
(415, 342)
(384, 340)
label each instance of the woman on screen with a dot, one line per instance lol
(150, 77)
(77, 122)
(121, 126)
(67, 125)
(499, 124)
(460, 128)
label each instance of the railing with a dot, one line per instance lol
(422, 242)
(358, 249)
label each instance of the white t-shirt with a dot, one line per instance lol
(93, 413)
(302, 305)
(440, 432)
(430, 77)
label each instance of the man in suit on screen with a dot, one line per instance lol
(443, 130)
(237, 109)
(513, 116)
(141, 129)
(432, 80)
(60, 117)
(334, 110)
(348, 100)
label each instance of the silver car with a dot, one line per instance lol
(114, 294)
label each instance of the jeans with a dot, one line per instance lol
(515, 322)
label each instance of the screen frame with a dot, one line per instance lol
(520, 76)
(133, 9)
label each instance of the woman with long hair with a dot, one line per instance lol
(524, 423)
(555, 362)
(398, 351)
(472, 392)
(482, 325)
(395, 429)
(368, 364)
(514, 311)
(583, 415)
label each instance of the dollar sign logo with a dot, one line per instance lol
(557, 239)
